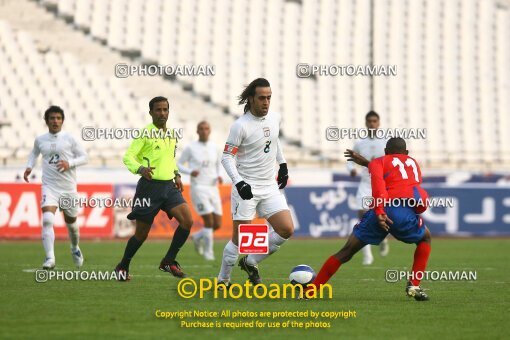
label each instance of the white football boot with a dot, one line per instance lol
(77, 257)
(209, 256)
(199, 245)
(49, 263)
(384, 247)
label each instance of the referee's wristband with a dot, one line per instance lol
(177, 174)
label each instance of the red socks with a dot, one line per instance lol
(421, 256)
(328, 269)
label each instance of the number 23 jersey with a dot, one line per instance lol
(54, 148)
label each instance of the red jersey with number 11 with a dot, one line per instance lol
(396, 176)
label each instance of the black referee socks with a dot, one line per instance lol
(180, 237)
(131, 249)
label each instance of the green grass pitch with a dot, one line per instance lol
(85, 309)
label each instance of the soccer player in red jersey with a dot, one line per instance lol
(397, 201)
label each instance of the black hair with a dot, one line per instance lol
(157, 99)
(371, 114)
(396, 145)
(53, 109)
(249, 91)
(203, 122)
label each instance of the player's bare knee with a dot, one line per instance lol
(216, 225)
(217, 221)
(142, 230)
(287, 232)
(341, 256)
(208, 220)
(185, 220)
(345, 254)
(186, 223)
(69, 219)
(427, 237)
(141, 234)
(284, 231)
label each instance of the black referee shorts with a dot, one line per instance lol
(162, 195)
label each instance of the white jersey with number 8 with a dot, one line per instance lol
(254, 144)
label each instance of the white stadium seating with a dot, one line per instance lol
(451, 59)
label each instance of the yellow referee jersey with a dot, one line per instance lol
(155, 148)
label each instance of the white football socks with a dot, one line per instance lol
(368, 258)
(74, 234)
(48, 234)
(208, 241)
(199, 234)
(275, 241)
(230, 255)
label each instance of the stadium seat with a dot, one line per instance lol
(100, 20)
(134, 29)
(203, 46)
(83, 14)
(454, 90)
(151, 37)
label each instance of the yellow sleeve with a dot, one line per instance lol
(130, 157)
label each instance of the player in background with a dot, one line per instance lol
(61, 154)
(370, 148)
(153, 158)
(250, 155)
(394, 176)
(203, 165)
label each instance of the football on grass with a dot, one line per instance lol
(302, 275)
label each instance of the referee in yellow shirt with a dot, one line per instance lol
(153, 157)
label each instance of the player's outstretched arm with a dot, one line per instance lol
(218, 169)
(379, 192)
(228, 161)
(235, 138)
(26, 174)
(283, 176)
(243, 188)
(178, 181)
(146, 172)
(185, 158)
(384, 222)
(177, 175)
(80, 156)
(32, 159)
(351, 166)
(283, 172)
(355, 157)
(130, 157)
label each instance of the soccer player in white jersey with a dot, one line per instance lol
(370, 148)
(61, 154)
(201, 160)
(250, 156)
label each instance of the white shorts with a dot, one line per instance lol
(364, 190)
(206, 199)
(54, 198)
(267, 200)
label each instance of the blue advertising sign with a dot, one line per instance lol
(330, 211)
